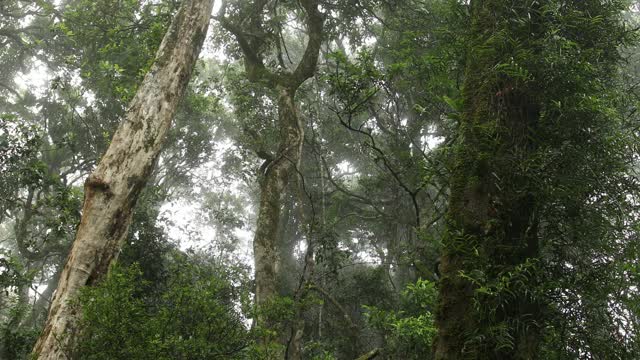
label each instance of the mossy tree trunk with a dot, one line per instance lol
(492, 223)
(277, 168)
(112, 190)
(273, 182)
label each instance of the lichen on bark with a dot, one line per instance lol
(111, 191)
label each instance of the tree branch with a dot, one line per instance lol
(370, 355)
(315, 23)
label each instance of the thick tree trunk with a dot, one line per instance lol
(275, 179)
(491, 222)
(112, 190)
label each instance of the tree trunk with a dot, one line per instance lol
(370, 355)
(491, 222)
(276, 169)
(273, 183)
(112, 190)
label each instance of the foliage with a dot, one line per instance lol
(194, 317)
(408, 332)
(561, 170)
(11, 275)
(18, 342)
(119, 39)
(388, 124)
(19, 145)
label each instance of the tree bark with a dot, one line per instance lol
(491, 221)
(276, 169)
(273, 183)
(112, 190)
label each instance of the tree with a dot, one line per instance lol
(498, 134)
(277, 168)
(535, 114)
(111, 191)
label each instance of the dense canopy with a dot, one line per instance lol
(319, 179)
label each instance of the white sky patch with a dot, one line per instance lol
(370, 41)
(182, 213)
(246, 236)
(213, 53)
(90, 97)
(208, 51)
(216, 6)
(431, 140)
(37, 80)
(369, 257)
(187, 225)
(344, 167)
(187, 228)
(300, 249)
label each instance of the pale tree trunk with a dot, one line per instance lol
(112, 190)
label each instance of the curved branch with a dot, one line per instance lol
(251, 38)
(248, 32)
(315, 23)
(347, 192)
